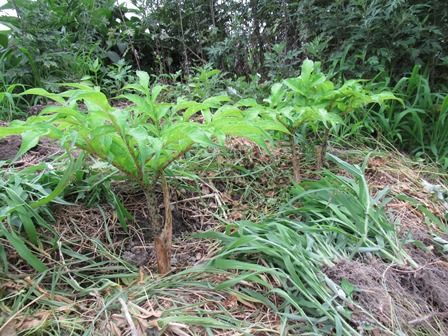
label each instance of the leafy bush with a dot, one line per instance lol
(281, 63)
(50, 41)
(363, 38)
(141, 141)
(352, 38)
(312, 101)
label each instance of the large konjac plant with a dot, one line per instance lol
(141, 140)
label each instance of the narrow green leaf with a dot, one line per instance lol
(23, 250)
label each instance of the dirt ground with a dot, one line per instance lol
(9, 147)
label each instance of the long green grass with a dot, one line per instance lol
(330, 220)
(419, 125)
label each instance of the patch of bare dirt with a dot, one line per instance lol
(393, 173)
(83, 224)
(9, 147)
(401, 298)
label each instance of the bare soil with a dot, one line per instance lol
(9, 147)
(398, 297)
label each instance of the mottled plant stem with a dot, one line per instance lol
(163, 243)
(162, 230)
(295, 159)
(323, 151)
(154, 220)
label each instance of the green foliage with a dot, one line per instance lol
(205, 82)
(152, 132)
(50, 41)
(59, 41)
(363, 38)
(281, 63)
(11, 105)
(418, 124)
(142, 139)
(358, 38)
(116, 77)
(310, 101)
(352, 209)
(113, 78)
(423, 124)
(313, 99)
(308, 98)
(24, 196)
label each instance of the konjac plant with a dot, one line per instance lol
(141, 140)
(311, 100)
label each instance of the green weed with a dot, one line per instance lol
(327, 221)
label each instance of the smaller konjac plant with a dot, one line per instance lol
(141, 140)
(314, 102)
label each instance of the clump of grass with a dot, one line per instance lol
(329, 220)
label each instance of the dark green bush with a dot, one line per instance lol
(361, 38)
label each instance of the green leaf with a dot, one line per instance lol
(74, 166)
(93, 99)
(122, 212)
(156, 91)
(216, 101)
(228, 111)
(277, 94)
(12, 130)
(113, 56)
(4, 38)
(23, 250)
(190, 107)
(44, 93)
(28, 225)
(143, 78)
(347, 287)
(30, 139)
(271, 125)
(307, 69)
(230, 264)
(247, 102)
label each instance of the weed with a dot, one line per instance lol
(312, 101)
(419, 124)
(23, 199)
(327, 221)
(10, 105)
